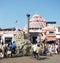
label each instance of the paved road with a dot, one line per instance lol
(29, 59)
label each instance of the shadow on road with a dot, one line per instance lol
(43, 58)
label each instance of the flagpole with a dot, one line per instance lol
(16, 24)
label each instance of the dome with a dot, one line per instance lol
(37, 22)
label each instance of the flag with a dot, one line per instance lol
(16, 21)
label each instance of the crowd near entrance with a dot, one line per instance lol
(50, 42)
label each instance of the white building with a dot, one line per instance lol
(58, 32)
(7, 35)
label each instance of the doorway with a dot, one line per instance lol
(34, 39)
(8, 40)
(33, 36)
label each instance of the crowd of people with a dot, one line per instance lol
(45, 49)
(6, 49)
(36, 49)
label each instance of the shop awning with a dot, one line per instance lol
(51, 35)
(51, 38)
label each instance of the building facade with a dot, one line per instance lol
(39, 27)
(36, 24)
(9, 35)
(51, 32)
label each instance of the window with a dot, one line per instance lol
(58, 29)
(51, 32)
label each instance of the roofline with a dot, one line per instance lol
(8, 29)
(51, 22)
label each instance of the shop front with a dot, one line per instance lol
(51, 38)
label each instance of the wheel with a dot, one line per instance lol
(24, 52)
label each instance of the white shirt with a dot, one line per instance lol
(34, 47)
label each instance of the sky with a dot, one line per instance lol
(16, 10)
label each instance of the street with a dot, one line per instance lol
(30, 59)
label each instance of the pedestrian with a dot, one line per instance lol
(38, 49)
(59, 48)
(34, 46)
(13, 47)
(1, 50)
(56, 47)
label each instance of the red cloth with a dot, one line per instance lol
(51, 38)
